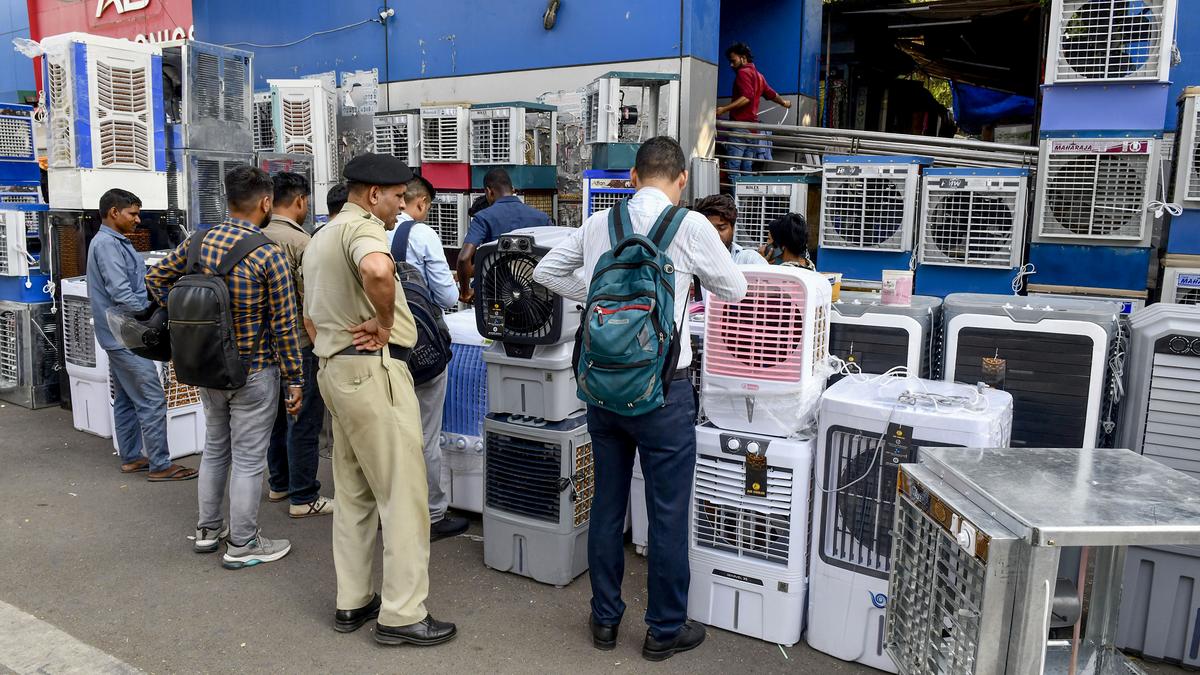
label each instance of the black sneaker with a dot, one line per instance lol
(689, 637)
(448, 526)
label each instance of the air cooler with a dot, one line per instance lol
(399, 135)
(1051, 354)
(748, 548)
(444, 135)
(28, 354)
(465, 407)
(105, 120)
(972, 236)
(1109, 41)
(305, 123)
(877, 337)
(1181, 285)
(868, 428)
(208, 96)
(275, 162)
(264, 123)
(18, 157)
(763, 199)
(539, 484)
(764, 356)
(529, 365)
(868, 214)
(87, 362)
(603, 189)
(196, 184)
(448, 217)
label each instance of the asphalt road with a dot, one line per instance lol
(106, 558)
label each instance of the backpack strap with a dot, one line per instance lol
(240, 250)
(400, 240)
(618, 222)
(667, 225)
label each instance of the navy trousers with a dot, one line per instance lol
(665, 439)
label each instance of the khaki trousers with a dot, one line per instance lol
(378, 476)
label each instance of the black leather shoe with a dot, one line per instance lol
(688, 638)
(426, 633)
(350, 620)
(448, 526)
(603, 637)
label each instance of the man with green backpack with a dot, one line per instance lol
(638, 260)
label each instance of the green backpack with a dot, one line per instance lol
(627, 348)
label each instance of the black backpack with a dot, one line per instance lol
(431, 354)
(203, 344)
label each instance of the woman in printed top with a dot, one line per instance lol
(787, 242)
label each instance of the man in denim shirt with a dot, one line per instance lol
(116, 278)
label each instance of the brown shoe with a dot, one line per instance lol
(172, 473)
(136, 465)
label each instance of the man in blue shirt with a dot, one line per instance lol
(425, 253)
(116, 278)
(506, 213)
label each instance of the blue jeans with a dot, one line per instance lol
(666, 442)
(761, 150)
(293, 457)
(139, 409)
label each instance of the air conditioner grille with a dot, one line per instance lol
(972, 228)
(1095, 195)
(760, 337)
(491, 140)
(9, 350)
(522, 476)
(207, 85)
(235, 89)
(16, 139)
(755, 213)
(79, 338)
(729, 520)
(1110, 40)
(864, 212)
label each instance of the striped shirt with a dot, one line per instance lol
(696, 250)
(260, 290)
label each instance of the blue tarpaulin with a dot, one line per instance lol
(976, 107)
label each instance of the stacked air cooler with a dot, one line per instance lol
(763, 373)
(877, 338)
(521, 138)
(972, 236)
(621, 109)
(87, 362)
(210, 127)
(763, 199)
(868, 428)
(1103, 110)
(1181, 278)
(445, 147)
(869, 215)
(106, 124)
(538, 477)
(22, 210)
(304, 122)
(1160, 611)
(463, 413)
(1052, 354)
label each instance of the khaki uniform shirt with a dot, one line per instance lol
(334, 299)
(292, 239)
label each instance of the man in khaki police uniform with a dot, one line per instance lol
(364, 332)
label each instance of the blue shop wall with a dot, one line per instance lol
(1187, 73)
(16, 71)
(785, 37)
(456, 37)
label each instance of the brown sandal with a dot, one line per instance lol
(173, 473)
(136, 466)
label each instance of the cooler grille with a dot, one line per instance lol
(79, 337)
(9, 350)
(1110, 40)
(762, 336)
(727, 519)
(755, 213)
(522, 476)
(936, 598)
(1095, 195)
(864, 212)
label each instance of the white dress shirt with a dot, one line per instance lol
(696, 250)
(425, 253)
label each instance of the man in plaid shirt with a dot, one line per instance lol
(239, 421)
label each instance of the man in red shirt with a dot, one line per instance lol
(748, 87)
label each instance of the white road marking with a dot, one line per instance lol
(31, 646)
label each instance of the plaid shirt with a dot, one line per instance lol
(260, 289)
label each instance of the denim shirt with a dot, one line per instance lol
(503, 216)
(116, 277)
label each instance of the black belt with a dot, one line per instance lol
(398, 353)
